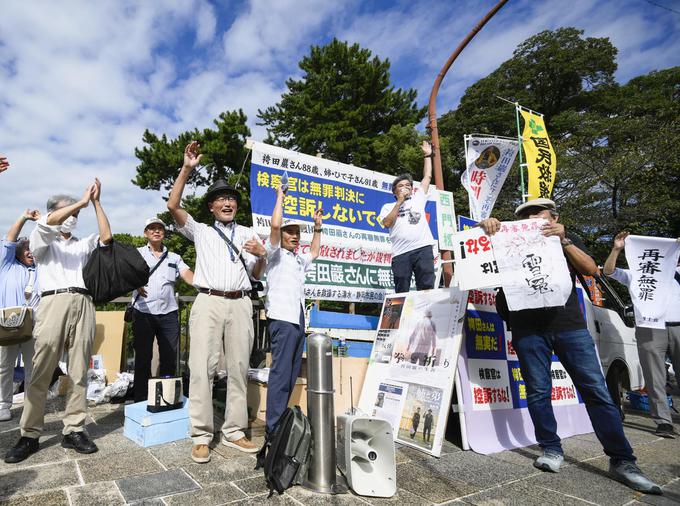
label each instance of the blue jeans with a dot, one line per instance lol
(576, 351)
(287, 342)
(419, 262)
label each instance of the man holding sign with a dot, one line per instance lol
(409, 232)
(537, 333)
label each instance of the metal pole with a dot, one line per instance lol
(521, 160)
(432, 114)
(321, 476)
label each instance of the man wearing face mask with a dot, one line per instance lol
(18, 286)
(409, 231)
(228, 255)
(65, 320)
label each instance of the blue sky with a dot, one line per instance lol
(80, 81)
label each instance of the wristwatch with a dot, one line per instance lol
(566, 242)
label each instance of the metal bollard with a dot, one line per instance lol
(321, 476)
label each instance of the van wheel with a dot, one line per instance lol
(617, 381)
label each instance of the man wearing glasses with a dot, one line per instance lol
(228, 256)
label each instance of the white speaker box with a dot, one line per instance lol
(365, 455)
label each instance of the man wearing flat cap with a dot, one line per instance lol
(154, 309)
(228, 256)
(538, 333)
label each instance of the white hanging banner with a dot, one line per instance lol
(488, 161)
(533, 269)
(652, 262)
(475, 262)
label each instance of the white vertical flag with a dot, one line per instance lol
(652, 262)
(534, 272)
(488, 161)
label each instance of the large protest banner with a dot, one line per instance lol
(355, 258)
(488, 159)
(409, 380)
(494, 394)
(540, 155)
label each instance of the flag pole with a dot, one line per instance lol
(522, 165)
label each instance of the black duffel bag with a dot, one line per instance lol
(114, 270)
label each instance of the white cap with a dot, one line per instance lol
(288, 222)
(151, 221)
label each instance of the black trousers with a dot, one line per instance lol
(146, 327)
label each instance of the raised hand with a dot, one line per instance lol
(4, 164)
(31, 215)
(254, 247)
(87, 196)
(620, 240)
(192, 158)
(96, 190)
(427, 148)
(318, 218)
(490, 226)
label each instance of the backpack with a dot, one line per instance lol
(114, 270)
(286, 453)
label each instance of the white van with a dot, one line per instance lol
(612, 324)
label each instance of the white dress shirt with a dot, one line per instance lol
(410, 230)
(216, 267)
(160, 290)
(61, 261)
(285, 283)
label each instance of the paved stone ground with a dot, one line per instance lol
(123, 473)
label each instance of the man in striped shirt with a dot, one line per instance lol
(228, 256)
(155, 308)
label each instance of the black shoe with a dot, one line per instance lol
(79, 442)
(665, 430)
(20, 451)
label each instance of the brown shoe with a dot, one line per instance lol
(200, 453)
(244, 444)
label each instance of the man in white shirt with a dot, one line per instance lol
(18, 286)
(286, 305)
(154, 309)
(653, 344)
(409, 231)
(65, 320)
(227, 257)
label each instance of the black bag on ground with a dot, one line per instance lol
(114, 270)
(286, 453)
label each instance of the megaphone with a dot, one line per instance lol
(365, 455)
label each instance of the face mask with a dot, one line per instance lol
(69, 224)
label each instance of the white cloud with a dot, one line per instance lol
(82, 80)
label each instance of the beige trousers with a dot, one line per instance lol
(8, 358)
(217, 325)
(65, 321)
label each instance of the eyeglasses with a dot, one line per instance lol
(225, 198)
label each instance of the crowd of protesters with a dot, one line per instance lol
(44, 271)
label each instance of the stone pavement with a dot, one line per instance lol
(121, 472)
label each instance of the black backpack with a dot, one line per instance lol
(286, 453)
(114, 270)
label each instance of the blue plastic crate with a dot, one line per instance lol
(149, 429)
(640, 401)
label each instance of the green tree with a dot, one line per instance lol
(341, 106)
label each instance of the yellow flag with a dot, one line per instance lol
(539, 156)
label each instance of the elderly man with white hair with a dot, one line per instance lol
(18, 287)
(65, 320)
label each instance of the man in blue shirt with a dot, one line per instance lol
(18, 286)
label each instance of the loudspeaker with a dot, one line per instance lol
(164, 394)
(365, 455)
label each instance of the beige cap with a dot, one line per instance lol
(289, 222)
(540, 203)
(151, 221)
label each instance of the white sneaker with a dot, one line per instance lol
(5, 414)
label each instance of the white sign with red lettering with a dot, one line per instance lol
(475, 262)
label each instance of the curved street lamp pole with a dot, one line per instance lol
(432, 114)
